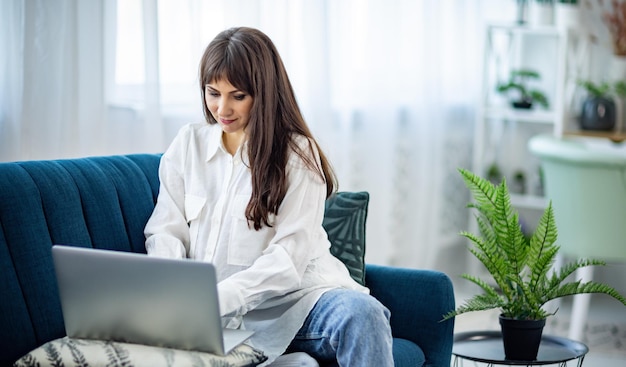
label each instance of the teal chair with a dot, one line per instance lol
(586, 182)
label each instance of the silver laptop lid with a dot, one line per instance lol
(135, 298)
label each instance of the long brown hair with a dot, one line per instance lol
(248, 59)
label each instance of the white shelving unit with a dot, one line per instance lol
(501, 131)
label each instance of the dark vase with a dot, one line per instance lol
(521, 338)
(524, 104)
(598, 114)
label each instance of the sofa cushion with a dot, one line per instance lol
(406, 353)
(344, 221)
(82, 352)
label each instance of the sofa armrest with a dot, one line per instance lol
(417, 299)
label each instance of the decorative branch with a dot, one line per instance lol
(616, 24)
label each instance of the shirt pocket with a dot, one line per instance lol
(193, 207)
(246, 244)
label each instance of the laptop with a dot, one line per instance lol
(135, 298)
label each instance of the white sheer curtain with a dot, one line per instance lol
(51, 64)
(388, 87)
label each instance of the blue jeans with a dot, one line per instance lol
(347, 328)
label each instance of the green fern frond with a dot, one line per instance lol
(521, 311)
(494, 264)
(495, 269)
(546, 232)
(479, 302)
(489, 290)
(509, 232)
(526, 305)
(480, 245)
(490, 244)
(485, 230)
(540, 268)
(482, 190)
(532, 299)
(543, 249)
(570, 268)
(573, 288)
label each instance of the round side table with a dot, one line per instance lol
(486, 347)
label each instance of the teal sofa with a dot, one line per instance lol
(104, 202)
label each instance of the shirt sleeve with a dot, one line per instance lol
(298, 240)
(167, 231)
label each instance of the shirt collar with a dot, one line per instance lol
(215, 142)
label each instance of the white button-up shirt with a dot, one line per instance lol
(268, 280)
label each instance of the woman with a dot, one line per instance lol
(246, 192)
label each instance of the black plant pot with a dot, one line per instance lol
(523, 104)
(598, 113)
(521, 338)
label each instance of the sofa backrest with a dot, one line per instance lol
(99, 202)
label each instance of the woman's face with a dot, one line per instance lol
(229, 106)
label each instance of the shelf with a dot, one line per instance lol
(529, 201)
(531, 115)
(616, 137)
(527, 29)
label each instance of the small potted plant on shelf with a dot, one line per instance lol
(521, 267)
(598, 109)
(518, 82)
(519, 182)
(494, 175)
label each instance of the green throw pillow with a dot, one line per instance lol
(344, 221)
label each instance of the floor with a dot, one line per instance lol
(605, 334)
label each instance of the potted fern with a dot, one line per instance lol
(522, 268)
